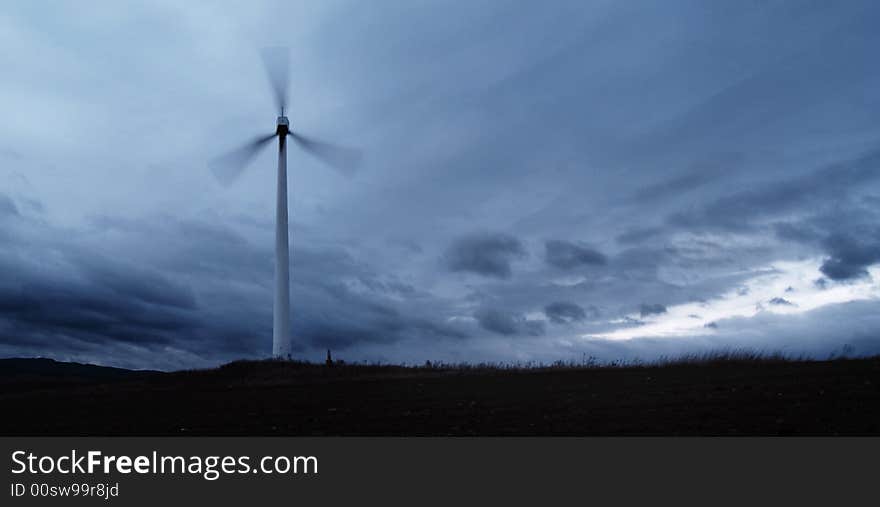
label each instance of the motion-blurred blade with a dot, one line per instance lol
(345, 160)
(229, 166)
(277, 62)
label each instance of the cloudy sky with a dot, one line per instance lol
(541, 180)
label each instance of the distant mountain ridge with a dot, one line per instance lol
(44, 368)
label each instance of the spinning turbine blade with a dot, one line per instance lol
(345, 160)
(229, 166)
(277, 65)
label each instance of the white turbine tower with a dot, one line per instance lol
(229, 166)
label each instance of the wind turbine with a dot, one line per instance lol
(229, 167)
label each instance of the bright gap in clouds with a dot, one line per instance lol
(782, 288)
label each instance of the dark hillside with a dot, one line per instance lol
(726, 396)
(17, 373)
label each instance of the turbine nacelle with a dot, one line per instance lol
(283, 126)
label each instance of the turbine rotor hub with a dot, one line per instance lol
(283, 126)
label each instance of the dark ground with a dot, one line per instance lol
(707, 397)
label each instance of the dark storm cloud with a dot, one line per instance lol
(497, 321)
(738, 210)
(850, 256)
(210, 298)
(34, 305)
(563, 312)
(332, 315)
(507, 323)
(72, 302)
(130, 281)
(567, 255)
(844, 231)
(486, 254)
(533, 327)
(802, 211)
(651, 309)
(780, 302)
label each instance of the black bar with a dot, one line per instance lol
(471, 471)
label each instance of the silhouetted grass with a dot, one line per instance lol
(267, 367)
